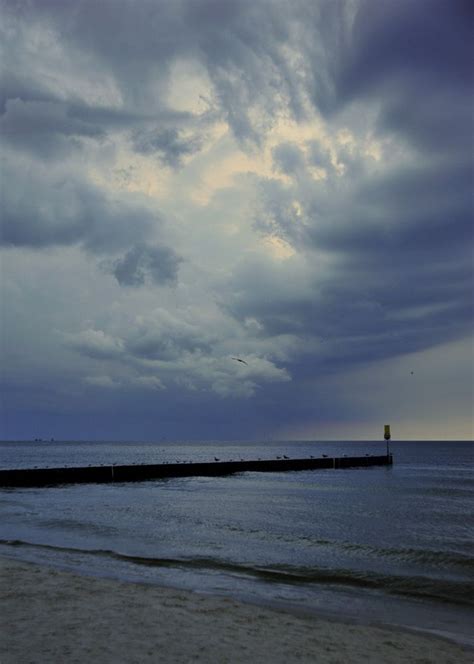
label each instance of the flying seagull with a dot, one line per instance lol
(237, 359)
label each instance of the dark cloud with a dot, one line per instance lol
(410, 213)
(416, 59)
(398, 229)
(357, 313)
(146, 263)
(377, 210)
(268, 56)
(413, 46)
(320, 156)
(51, 128)
(44, 128)
(238, 43)
(45, 208)
(168, 144)
(287, 158)
(400, 274)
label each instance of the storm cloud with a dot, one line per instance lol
(184, 182)
(159, 264)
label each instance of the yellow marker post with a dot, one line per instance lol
(386, 435)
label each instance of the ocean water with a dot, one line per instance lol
(387, 545)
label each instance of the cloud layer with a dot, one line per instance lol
(186, 182)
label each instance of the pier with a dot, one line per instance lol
(42, 477)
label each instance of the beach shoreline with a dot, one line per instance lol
(49, 615)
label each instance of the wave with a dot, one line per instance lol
(415, 586)
(434, 557)
(413, 555)
(451, 492)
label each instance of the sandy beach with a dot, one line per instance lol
(51, 616)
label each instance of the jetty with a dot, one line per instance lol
(42, 477)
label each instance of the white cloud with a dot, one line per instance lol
(95, 344)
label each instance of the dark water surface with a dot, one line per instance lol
(387, 545)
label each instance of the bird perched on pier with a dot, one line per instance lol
(237, 359)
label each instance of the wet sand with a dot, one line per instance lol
(50, 616)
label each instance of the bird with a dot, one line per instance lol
(285, 457)
(237, 359)
(325, 456)
(216, 459)
(278, 457)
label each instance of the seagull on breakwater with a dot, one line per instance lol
(237, 359)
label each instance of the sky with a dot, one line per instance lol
(185, 182)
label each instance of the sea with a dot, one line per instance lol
(383, 545)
